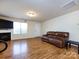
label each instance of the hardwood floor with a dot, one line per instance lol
(36, 49)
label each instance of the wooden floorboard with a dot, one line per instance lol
(36, 49)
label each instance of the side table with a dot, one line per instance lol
(69, 42)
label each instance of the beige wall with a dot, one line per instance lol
(68, 23)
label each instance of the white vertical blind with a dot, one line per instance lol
(20, 28)
(23, 28)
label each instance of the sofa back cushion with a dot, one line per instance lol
(60, 34)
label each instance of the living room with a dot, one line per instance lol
(31, 20)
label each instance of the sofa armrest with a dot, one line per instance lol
(63, 40)
(44, 35)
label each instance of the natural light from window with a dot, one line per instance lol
(20, 28)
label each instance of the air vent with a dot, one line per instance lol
(69, 3)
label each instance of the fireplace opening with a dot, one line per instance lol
(5, 36)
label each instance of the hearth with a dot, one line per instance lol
(5, 36)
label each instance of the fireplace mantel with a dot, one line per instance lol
(6, 30)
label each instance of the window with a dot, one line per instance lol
(20, 28)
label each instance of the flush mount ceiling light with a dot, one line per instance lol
(31, 14)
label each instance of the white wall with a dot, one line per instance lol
(34, 29)
(67, 23)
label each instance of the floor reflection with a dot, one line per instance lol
(20, 48)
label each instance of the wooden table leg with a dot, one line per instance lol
(69, 45)
(78, 49)
(66, 45)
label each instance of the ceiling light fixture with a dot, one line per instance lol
(31, 14)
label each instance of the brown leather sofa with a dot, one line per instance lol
(56, 38)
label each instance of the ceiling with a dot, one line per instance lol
(45, 9)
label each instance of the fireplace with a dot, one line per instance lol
(5, 36)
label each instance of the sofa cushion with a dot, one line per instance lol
(51, 36)
(56, 42)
